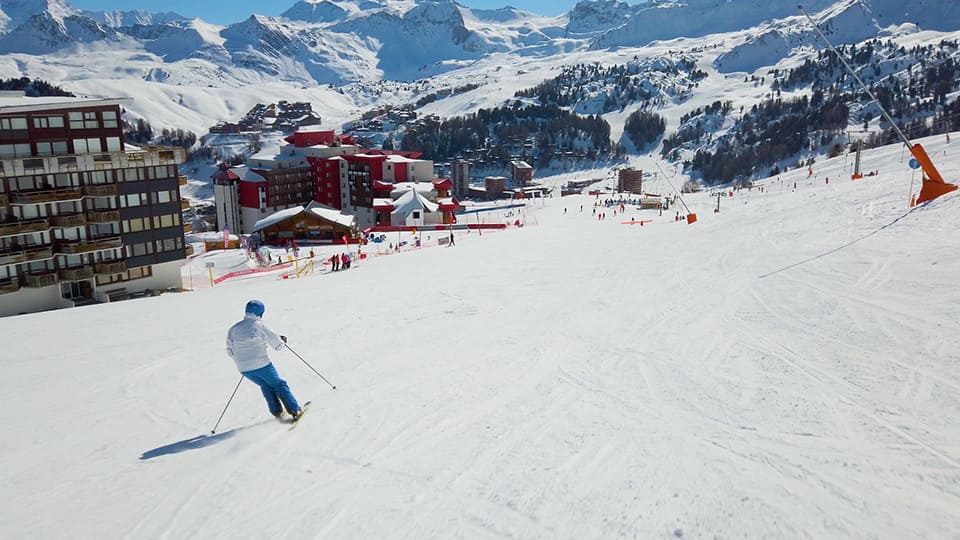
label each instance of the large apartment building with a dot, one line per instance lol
(83, 217)
(315, 165)
(347, 182)
(274, 180)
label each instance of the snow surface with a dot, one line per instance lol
(784, 368)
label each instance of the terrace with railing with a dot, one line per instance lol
(8, 286)
(99, 243)
(100, 190)
(18, 255)
(39, 280)
(148, 156)
(43, 196)
(16, 227)
(68, 220)
(113, 267)
(103, 216)
(77, 273)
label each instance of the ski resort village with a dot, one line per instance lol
(424, 270)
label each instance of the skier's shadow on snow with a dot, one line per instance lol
(200, 441)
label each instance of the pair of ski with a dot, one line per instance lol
(294, 421)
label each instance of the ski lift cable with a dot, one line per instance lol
(665, 177)
(853, 73)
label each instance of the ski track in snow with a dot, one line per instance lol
(574, 379)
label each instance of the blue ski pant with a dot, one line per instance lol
(275, 389)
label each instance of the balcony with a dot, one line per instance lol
(188, 250)
(102, 161)
(9, 286)
(187, 228)
(68, 220)
(12, 257)
(184, 204)
(182, 180)
(78, 247)
(47, 196)
(114, 267)
(20, 255)
(78, 273)
(100, 190)
(24, 226)
(166, 155)
(103, 216)
(148, 156)
(40, 280)
(38, 253)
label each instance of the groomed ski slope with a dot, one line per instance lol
(786, 368)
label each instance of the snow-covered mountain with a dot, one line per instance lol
(846, 22)
(403, 40)
(118, 19)
(367, 52)
(14, 13)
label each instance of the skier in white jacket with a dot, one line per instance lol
(247, 344)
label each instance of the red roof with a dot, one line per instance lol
(442, 183)
(224, 174)
(406, 154)
(380, 185)
(302, 139)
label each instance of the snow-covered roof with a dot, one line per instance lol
(276, 217)
(322, 211)
(214, 236)
(15, 101)
(330, 214)
(410, 201)
(286, 152)
(255, 178)
(396, 158)
(402, 187)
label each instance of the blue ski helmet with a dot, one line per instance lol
(256, 307)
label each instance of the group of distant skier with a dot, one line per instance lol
(340, 262)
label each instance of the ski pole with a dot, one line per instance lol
(309, 366)
(214, 430)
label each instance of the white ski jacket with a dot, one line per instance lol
(247, 343)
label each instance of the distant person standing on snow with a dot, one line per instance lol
(247, 344)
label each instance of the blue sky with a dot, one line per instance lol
(230, 11)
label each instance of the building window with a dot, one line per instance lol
(170, 244)
(87, 146)
(113, 144)
(133, 199)
(96, 177)
(166, 221)
(10, 124)
(160, 197)
(131, 175)
(109, 119)
(43, 122)
(136, 225)
(15, 150)
(50, 148)
(83, 120)
(139, 249)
